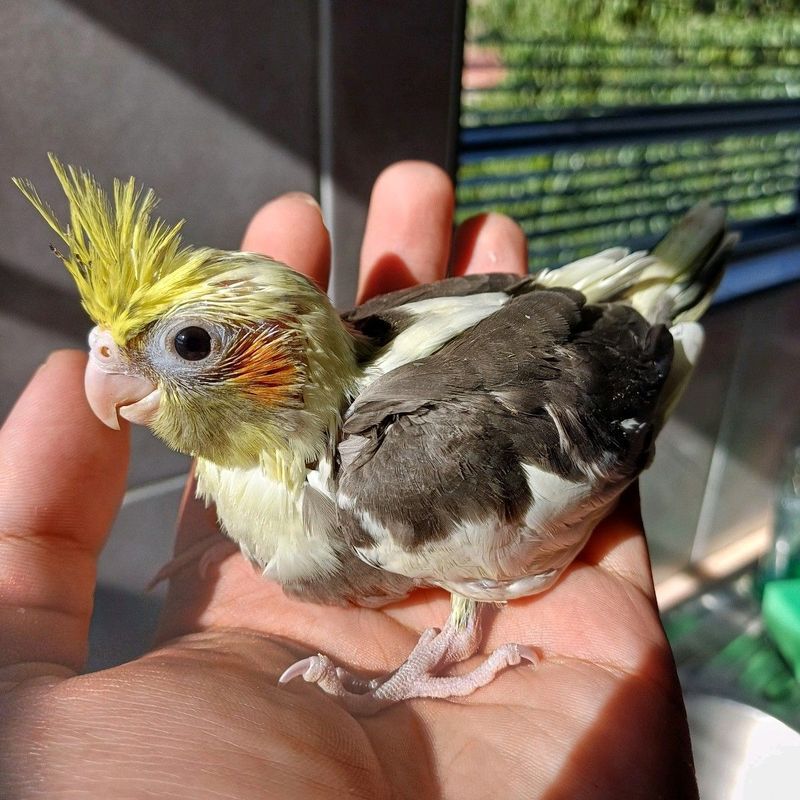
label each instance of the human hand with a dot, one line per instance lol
(201, 715)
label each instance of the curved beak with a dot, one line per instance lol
(110, 391)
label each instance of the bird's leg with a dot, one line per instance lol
(418, 675)
(208, 552)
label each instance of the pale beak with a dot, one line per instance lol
(111, 391)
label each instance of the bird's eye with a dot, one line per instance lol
(193, 343)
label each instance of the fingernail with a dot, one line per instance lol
(58, 355)
(305, 197)
(48, 361)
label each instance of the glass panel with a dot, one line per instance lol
(598, 123)
(556, 59)
(574, 202)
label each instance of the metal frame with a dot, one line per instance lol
(651, 123)
(383, 98)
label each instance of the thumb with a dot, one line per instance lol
(62, 478)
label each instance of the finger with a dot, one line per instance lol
(618, 544)
(409, 224)
(490, 243)
(62, 478)
(291, 229)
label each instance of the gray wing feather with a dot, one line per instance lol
(354, 580)
(546, 380)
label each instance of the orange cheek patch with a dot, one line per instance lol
(266, 363)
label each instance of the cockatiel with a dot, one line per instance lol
(467, 434)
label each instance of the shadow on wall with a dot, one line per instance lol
(231, 52)
(235, 54)
(345, 86)
(28, 298)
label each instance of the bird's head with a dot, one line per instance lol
(224, 355)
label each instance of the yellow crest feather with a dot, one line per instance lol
(128, 267)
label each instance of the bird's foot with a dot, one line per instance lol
(417, 676)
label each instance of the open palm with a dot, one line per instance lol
(202, 715)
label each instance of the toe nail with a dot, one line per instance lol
(528, 654)
(297, 669)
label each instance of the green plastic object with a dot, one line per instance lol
(782, 561)
(781, 612)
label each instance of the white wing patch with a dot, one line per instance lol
(367, 521)
(494, 561)
(554, 498)
(598, 472)
(632, 425)
(437, 321)
(688, 338)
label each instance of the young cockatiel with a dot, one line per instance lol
(468, 434)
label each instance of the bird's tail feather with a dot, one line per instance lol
(600, 277)
(673, 283)
(687, 338)
(694, 252)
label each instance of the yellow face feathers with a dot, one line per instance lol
(280, 362)
(129, 267)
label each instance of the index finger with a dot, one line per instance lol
(290, 229)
